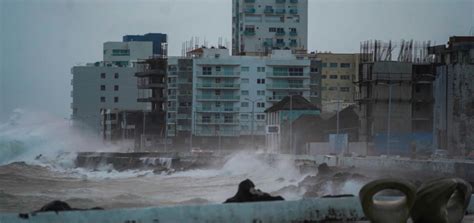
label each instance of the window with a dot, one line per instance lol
(260, 81)
(245, 92)
(218, 69)
(245, 81)
(118, 52)
(260, 69)
(332, 76)
(228, 119)
(116, 76)
(244, 116)
(325, 64)
(116, 88)
(295, 71)
(116, 99)
(261, 93)
(260, 116)
(102, 99)
(217, 92)
(314, 70)
(333, 65)
(102, 87)
(272, 29)
(206, 70)
(102, 75)
(344, 89)
(244, 69)
(206, 119)
(332, 88)
(323, 76)
(260, 104)
(244, 104)
(345, 77)
(345, 65)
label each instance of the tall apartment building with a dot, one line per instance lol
(339, 71)
(258, 26)
(159, 41)
(110, 84)
(231, 93)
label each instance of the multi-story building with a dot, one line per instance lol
(258, 26)
(454, 100)
(159, 41)
(339, 71)
(231, 93)
(110, 85)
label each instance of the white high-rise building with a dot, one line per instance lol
(109, 84)
(231, 93)
(258, 26)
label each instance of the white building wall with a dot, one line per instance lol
(252, 14)
(255, 74)
(137, 50)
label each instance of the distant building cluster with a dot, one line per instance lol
(269, 92)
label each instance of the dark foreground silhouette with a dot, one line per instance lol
(248, 193)
(56, 206)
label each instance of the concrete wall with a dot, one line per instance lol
(86, 94)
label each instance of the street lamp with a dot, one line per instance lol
(253, 118)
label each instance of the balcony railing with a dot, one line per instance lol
(293, 11)
(293, 33)
(268, 11)
(217, 110)
(280, 1)
(217, 122)
(280, 11)
(280, 33)
(249, 10)
(293, 44)
(249, 1)
(268, 44)
(280, 44)
(249, 32)
(287, 86)
(219, 74)
(287, 75)
(218, 85)
(218, 97)
(294, 1)
(213, 132)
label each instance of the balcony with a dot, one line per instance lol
(249, 10)
(217, 122)
(280, 44)
(280, 1)
(234, 74)
(280, 33)
(293, 44)
(217, 109)
(218, 97)
(293, 11)
(249, 1)
(151, 99)
(249, 32)
(293, 33)
(287, 75)
(172, 85)
(280, 11)
(218, 86)
(294, 1)
(147, 85)
(287, 86)
(172, 97)
(268, 44)
(268, 11)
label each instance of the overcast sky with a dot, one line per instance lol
(40, 40)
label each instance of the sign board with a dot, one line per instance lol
(273, 129)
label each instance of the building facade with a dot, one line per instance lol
(258, 26)
(110, 84)
(231, 93)
(339, 71)
(159, 41)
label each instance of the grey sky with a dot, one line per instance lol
(41, 40)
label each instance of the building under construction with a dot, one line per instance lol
(151, 81)
(395, 97)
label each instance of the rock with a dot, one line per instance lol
(247, 193)
(58, 206)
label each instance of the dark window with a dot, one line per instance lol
(116, 99)
(332, 76)
(102, 75)
(116, 75)
(102, 87)
(323, 76)
(314, 70)
(102, 99)
(345, 77)
(116, 88)
(345, 65)
(333, 64)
